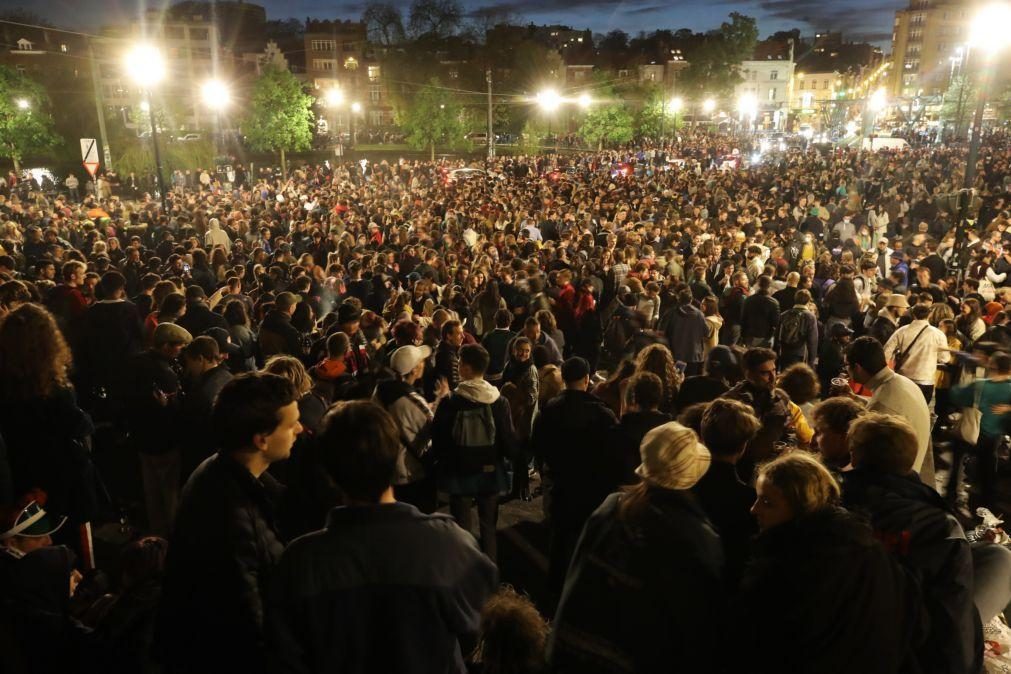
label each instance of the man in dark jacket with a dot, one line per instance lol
(727, 428)
(277, 335)
(226, 540)
(472, 438)
(686, 332)
(152, 420)
(204, 375)
(797, 335)
(199, 317)
(731, 308)
(912, 521)
(574, 437)
(400, 590)
(447, 358)
(758, 391)
(760, 316)
(110, 334)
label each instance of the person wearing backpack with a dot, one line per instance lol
(797, 339)
(472, 438)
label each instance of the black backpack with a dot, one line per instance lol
(474, 440)
(793, 328)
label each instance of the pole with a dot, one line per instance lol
(663, 114)
(977, 126)
(491, 123)
(160, 181)
(99, 107)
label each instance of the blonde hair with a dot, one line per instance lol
(806, 484)
(883, 442)
(290, 368)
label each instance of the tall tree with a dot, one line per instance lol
(436, 18)
(279, 118)
(714, 64)
(26, 125)
(384, 22)
(433, 116)
(607, 124)
(959, 103)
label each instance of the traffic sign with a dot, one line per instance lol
(89, 153)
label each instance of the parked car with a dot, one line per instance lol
(875, 143)
(477, 137)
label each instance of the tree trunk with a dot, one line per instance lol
(432, 151)
(17, 166)
(284, 165)
(600, 144)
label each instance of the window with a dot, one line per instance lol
(453, 74)
(373, 73)
(173, 32)
(328, 65)
(348, 46)
(806, 99)
(827, 84)
(198, 33)
(64, 49)
(20, 68)
(773, 75)
(351, 63)
(25, 45)
(772, 93)
(622, 73)
(323, 45)
(375, 92)
(579, 74)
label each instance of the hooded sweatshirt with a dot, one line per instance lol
(216, 236)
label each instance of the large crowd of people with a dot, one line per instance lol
(760, 405)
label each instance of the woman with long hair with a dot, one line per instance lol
(711, 311)
(657, 358)
(45, 431)
(242, 336)
(970, 321)
(611, 389)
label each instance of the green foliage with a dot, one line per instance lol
(607, 124)
(433, 117)
(534, 131)
(23, 131)
(714, 63)
(279, 118)
(959, 103)
(137, 156)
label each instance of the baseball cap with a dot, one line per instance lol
(170, 333)
(840, 330)
(406, 358)
(574, 369)
(672, 457)
(224, 340)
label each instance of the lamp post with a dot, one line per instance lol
(873, 106)
(333, 98)
(549, 101)
(989, 36)
(146, 67)
(216, 96)
(356, 109)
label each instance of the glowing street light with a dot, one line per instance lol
(145, 65)
(675, 105)
(747, 105)
(145, 106)
(989, 28)
(356, 108)
(333, 97)
(584, 101)
(708, 105)
(878, 101)
(23, 104)
(988, 32)
(215, 94)
(548, 100)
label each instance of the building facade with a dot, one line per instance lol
(768, 77)
(929, 41)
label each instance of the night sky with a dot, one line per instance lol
(858, 19)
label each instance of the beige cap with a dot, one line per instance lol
(170, 333)
(672, 457)
(898, 301)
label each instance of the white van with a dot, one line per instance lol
(884, 143)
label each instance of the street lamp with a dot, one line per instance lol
(548, 100)
(356, 109)
(747, 106)
(145, 65)
(988, 34)
(216, 96)
(24, 104)
(584, 101)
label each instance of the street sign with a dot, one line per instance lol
(89, 155)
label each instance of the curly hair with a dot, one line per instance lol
(292, 369)
(513, 635)
(657, 358)
(34, 357)
(800, 383)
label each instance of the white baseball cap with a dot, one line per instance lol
(406, 358)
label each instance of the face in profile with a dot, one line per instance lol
(770, 508)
